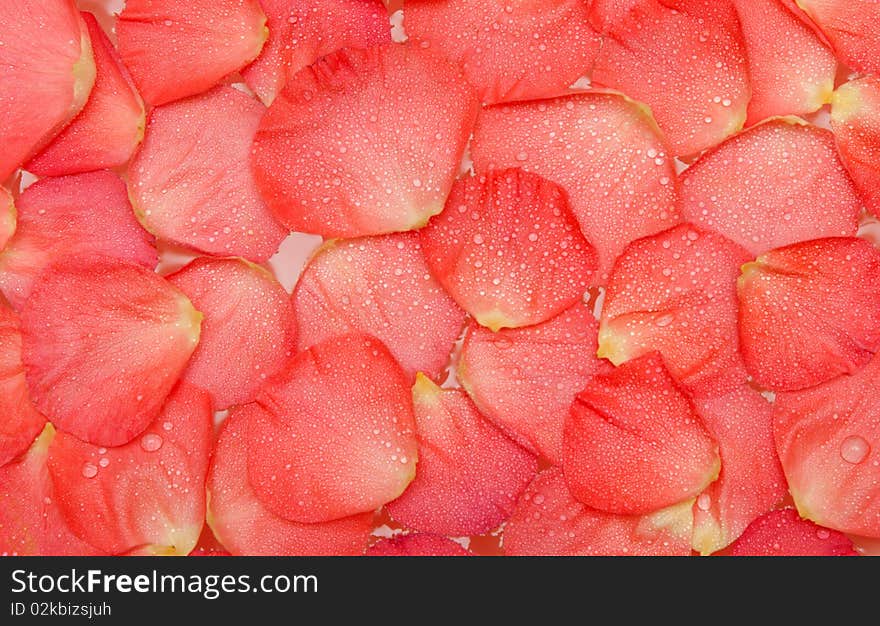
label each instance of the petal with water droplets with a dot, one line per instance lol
(525, 379)
(303, 31)
(246, 527)
(775, 184)
(508, 249)
(509, 50)
(751, 480)
(675, 293)
(855, 121)
(109, 127)
(147, 495)
(852, 27)
(784, 533)
(634, 443)
(549, 521)
(380, 286)
(30, 517)
(48, 73)
(335, 433)
(686, 60)
(248, 330)
(21, 422)
(828, 440)
(417, 544)
(603, 149)
(83, 214)
(175, 49)
(364, 142)
(810, 312)
(190, 184)
(791, 71)
(469, 473)
(103, 343)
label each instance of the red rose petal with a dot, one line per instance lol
(852, 27)
(605, 14)
(525, 379)
(20, 422)
(624, 190)
(147, 495)
(751, 480)
(686, 60)
(84, 214)
(178, 49)
(855, 120)
(469, 473)
(190, 183)
(791, 71)
(548, 521)
(417, 544)
(509, 51)
(380, 286)
(248, 330)
(634, 443)
(31, 523)
(828, 439)
(103, 343)
(45, 39)
(508, 249)
(303, 31)
(364, 142)
(335, 434)
(810, 312)
(775, 184)
(8, 217)
(246, 527)
(675, 293)
(784, 533)
(110, 125)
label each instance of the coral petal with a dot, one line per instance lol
(777, 183)
(83, 214)
(147, 495)
(525, 379)
(246, 527)
(634, 443)
(509, 51)
(248, 331)
(335, 432)
(810, 311)
(508, 249)
(549, 521)
(828, 440)
(103, 343)
(350, 146)
(686, 60)
(784, 533)
(469, 473)
(190, 184)
(625, 190)
(177, 49)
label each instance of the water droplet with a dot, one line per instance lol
(822, 533)
(478, 239)
(522, 156)
(104, 462)
(538, 499)
(854, 449)
(704, 502)
(151, 442)
(89, 470)
(664, 320)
